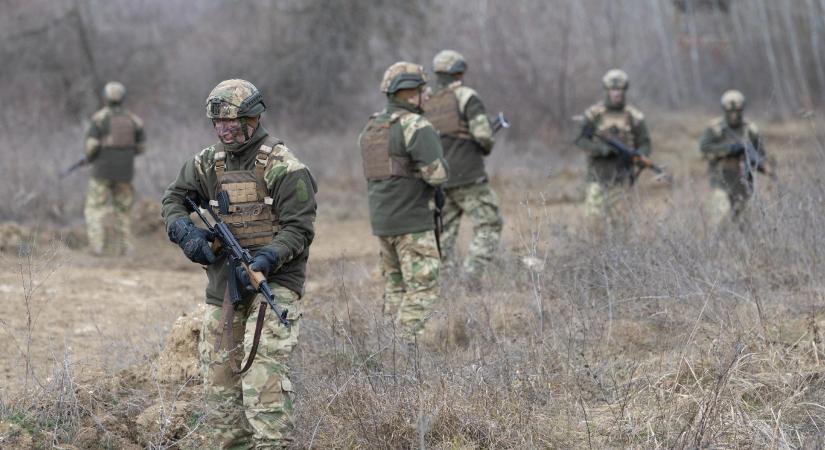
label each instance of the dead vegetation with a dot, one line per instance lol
(667, 335)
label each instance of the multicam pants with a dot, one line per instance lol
(480, 203)
(253, 410)
(607, 205)
(104, 196)
(726, 203)
(410, 264)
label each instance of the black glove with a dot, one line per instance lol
(736, 148)
(193, 240)
(264, 261)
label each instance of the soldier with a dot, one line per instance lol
(113, 139)
(271, 211)
(733, 149)
(403, 162)
(458, 114)
(609, 173)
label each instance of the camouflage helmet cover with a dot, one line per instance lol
(403, 75)
(114, 92)
(235, 98)
(732, 100)
(450, 62)
(615, 79)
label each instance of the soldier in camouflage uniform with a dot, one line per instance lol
(271, 212)
(403, 162)
(732, 146)
(458, 114)
(113, 139)
(609, 174)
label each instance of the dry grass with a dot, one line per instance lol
(667, 335)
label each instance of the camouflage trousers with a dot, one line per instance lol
(479, 202)
(724, 204)
(103, 197)
(410, 264)
(253, 410)
(607, 206)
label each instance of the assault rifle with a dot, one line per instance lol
(500, 122)
(240, 256)
(76, 165)
(754, 161)
(638, 159)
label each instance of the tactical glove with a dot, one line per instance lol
(193, 240)
(736, 148)
(264, 261)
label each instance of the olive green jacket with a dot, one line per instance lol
(292, 189)
(605, 164)
(112, 163)
(464, 156)
(725, 167)
(403, 205)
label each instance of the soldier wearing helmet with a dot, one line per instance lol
(403, 163)
(267, 197)
(733, 149)
(113, 139)
(610, 173)
(457, 112)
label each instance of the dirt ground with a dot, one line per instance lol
(104, 314)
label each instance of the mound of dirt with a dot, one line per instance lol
(178, 362)
(164, 423)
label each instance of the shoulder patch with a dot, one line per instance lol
(281, 162)
(411, 123)
(205, 160)
(593, 112)
(464, 94)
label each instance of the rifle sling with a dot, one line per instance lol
(227, 317)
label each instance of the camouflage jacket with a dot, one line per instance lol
(605, 164)
(464, 156)
(112, 154)
(403, 205)
(292, 189)
(726, 167)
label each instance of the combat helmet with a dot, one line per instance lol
(403, 75)
(615, 79)
(233, 99)
(114, 92)
(450, 62)
(732, 100)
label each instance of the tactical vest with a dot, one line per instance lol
(734, 163)
(617, 124)
(115, 161)
(379, 164)
(444, 113)
(249, 214)
(121, 131)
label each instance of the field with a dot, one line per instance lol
(670, 335)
